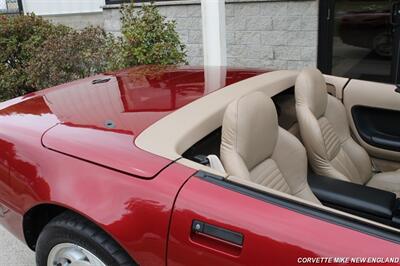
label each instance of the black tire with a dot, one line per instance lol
(72, 228)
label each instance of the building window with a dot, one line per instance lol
(10, 6)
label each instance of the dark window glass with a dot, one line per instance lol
(363, 40)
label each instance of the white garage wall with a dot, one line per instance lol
(56, 7)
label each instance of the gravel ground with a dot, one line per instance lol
(13, 252)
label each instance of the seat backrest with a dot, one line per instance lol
(325, 131)
(255, 148)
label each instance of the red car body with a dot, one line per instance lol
(71, 147)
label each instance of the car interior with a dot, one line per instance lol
(328, 141)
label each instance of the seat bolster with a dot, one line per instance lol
(324, 167)
(234, 164)
(307, 194)
(359, 157)
(357, 164)
(311, 133)
(344, 164)
(337, 117)
(310, 90)
(389, 181)
(291, 158)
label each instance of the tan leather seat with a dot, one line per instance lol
(326, 135)
(255, 148)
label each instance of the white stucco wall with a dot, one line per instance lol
(52, 7)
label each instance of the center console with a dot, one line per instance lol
(375, 204)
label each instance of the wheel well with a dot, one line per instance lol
(39, 216)
(36, 219)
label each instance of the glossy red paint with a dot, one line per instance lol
(103, 147)
(135, 98)
(98, 122)
(134, 211)
(91, 167)
(73, 146)
(272, 235)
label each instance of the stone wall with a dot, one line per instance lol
(260, 33)
(78, 21)
(278, 35)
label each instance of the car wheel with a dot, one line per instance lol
(382, 44)
(69, 239)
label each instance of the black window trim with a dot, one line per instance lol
(324, 215)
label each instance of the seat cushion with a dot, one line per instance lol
(389, 181)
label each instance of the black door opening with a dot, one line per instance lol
(360, 39)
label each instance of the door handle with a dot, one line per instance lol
(217, 233)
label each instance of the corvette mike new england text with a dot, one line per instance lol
(344, 260)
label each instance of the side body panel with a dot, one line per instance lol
(73, 145)
(272, 235)
(134, 211)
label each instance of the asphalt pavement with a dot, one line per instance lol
(13, 252)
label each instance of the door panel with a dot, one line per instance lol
(337, 84)
(271, 235)
(376, 107)
(377, 126)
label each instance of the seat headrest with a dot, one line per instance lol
(250, 128)
(310, 91)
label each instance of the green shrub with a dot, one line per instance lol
(148, 39)
(19, 38)
(36, 54)
(71, 56)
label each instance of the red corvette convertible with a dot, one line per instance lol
(204, 166)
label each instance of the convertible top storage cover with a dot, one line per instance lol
(100, 117)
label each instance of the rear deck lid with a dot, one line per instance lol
(109, 149)
(100, 117)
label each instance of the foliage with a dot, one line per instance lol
(35, 54)
(19, 37)
(74, 55)
(148, 39)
